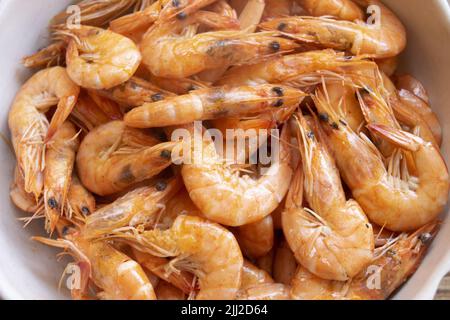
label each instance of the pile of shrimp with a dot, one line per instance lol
(346, 211)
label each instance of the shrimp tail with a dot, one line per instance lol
(65, 107)
(402, 139)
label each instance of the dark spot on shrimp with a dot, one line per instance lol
(166, 154)
(65, 230)
(310, 135)
(367, 226)
(52, 203)
(425, 237)
(324, 117)
(335, 126)
(348, 57)
(176, 3)
(126, 175)
(161, 185)
(274, 46)
(181, 16)
(343, 123)
(157, 97)
(278, 91)
(278, 103)
(85, 211)
(282, 26)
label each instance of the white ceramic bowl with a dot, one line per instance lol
(30, 271)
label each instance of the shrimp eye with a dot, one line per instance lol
(310, 135)
(161, 186)
(52, 203)
(323, 117)
(335, 126)
(278, 103)
(157, 97)
(425, 237)
(85, 211)
(166, 154)
(282, 26)
(176, 3)
(275, 46)
(278, 91)
(181, 16)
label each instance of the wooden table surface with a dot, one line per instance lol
(444, 289)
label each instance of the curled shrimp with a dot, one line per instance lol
(340, 9)
(113, 157)
(336, 241)
(400, 203)
(167, 53)
(205, 248)
(59, 163)
(384, 39)
(29, 126)
(212, 103)
(118, 276)
(212, 186)
(291, 68)
(99, 59)
(394, 264)
(256, 239)
(139, 206)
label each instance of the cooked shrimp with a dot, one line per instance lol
(277, 9)
(256, 239)
(166, 291)
(207, 249)
(139, 206)
(340, 9)
(136, 92)
(266, 262)
(284, 264)
(59, 163)
(388, 65)
(162, 267)
(167, 53)
(394, 265)
(99, 59)
(335, 241)
(266, 291)
(253, 276)
(118, 276)
(108, 163)
(81, 202)
(207, 104)
(212, 186)
(291, 68)
(384, 39)
(28, 123)
(387, 199)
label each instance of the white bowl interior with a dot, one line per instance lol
(29, 271)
